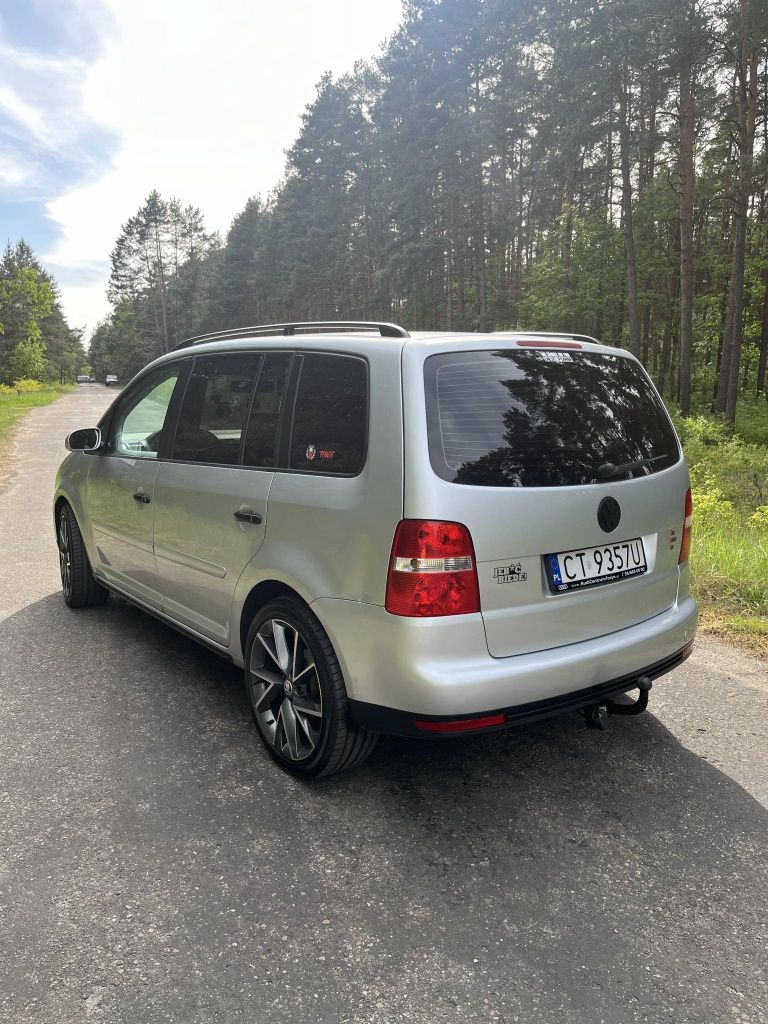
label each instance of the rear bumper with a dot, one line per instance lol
(441, 667)
(403, 723)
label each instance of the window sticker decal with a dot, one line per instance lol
(554, 357)
(311, 452)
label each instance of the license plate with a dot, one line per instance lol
(588, 567)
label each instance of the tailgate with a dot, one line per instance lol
(524, 443)
(521, 612)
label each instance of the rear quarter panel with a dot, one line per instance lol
(331, 537)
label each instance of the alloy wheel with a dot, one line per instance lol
(65, 554)
(285, 690)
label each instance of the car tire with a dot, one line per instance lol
(297, 695)
(80, 587)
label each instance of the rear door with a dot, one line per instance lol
(211, 494)
(525, 446)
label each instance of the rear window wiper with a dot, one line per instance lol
(608, 471)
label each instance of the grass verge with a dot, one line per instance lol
(744, 631)
(729, 566)
(729, 559)
(13, 407)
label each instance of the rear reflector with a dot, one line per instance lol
(549, 344)
(462, 724)
(432, 570)
(685, 546)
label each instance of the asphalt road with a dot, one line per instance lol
(155, 865)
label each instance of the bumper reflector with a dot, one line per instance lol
(462, 724)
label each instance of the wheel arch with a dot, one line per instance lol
(63, 497)
(60, 500)
(259, 595)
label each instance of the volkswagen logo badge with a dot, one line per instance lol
(608, 514)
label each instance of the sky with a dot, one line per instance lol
(103, 100)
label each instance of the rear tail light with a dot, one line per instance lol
(685, 546)
(432, 570)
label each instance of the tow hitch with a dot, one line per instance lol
(596, 715)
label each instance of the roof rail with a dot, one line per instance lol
(298, 327)
(553, 334)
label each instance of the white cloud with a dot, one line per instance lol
(206, 98)
(84, 305)
(15, 171)
(42, 94)
(23, 112)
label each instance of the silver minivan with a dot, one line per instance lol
(423, 534)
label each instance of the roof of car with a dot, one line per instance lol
(350, 334)
(347, 337)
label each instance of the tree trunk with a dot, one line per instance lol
(761, 365)
(686, 234)
(629, 232)
(645, 228)
(666, 358)
(608, 199)
(746, 86)
(482, 278)
(459, 269)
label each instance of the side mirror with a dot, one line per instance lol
(88, 439)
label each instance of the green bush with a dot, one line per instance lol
(721, 461)
(752, 420)
(28, 360)
(711, 505)
(25, 386)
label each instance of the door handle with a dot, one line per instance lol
(143, 498)
(247, 517)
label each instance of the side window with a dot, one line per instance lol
(140, 416)
(214, 408)
(261, 433)
(331, 415)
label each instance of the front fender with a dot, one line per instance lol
(71, 482)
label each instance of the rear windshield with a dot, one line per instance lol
(543, 418)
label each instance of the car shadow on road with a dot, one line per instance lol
(540, 861)
(145, 664)
(126, 674)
